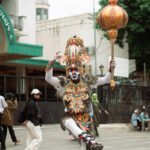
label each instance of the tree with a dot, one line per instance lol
(137, 31)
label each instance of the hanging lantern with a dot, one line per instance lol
(111, 18)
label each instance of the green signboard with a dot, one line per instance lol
(4, 19)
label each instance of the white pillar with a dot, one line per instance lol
(21, 84)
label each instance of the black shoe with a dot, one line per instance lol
(17, 142)
(96, 146)
(4, 148)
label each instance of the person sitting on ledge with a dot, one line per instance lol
(145, 118)
(136, 120)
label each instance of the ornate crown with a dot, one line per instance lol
(75, 53)
(76, 41)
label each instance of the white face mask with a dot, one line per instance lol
(74, 74)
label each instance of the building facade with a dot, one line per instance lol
(18, 45)
(53, 34)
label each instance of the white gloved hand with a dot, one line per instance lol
(112, 64)
(51, 62)
(57, 56)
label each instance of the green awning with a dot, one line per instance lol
(37, 63)
(25, 49)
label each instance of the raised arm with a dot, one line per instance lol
(107, 78)
(54, 81)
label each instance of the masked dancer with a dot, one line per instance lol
(75, 92)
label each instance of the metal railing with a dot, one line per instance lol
(120, 102)
(22, 87)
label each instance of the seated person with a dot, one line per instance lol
(145, 118)
(136, 120)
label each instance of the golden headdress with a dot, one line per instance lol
(75, 53)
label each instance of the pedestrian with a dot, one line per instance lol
(8, 117)
(97, 110)
(136, 120)
(33, 121)
(3, 105)
(145, 118)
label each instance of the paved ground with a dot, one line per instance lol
(112, 136)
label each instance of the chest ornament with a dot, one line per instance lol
(76, 96)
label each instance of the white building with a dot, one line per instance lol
(53, 34)
(42, 7)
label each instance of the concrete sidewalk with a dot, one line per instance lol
(113, 136)
(115, 126)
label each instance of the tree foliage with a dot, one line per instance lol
(137, 31)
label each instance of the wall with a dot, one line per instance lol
(52, 112)
(53, 34)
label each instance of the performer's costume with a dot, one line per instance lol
(75, 92)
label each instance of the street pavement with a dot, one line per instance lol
(112, 136)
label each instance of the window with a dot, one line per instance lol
(41, 14)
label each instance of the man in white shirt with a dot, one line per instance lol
(3, 105)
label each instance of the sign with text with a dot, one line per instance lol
(4, 19)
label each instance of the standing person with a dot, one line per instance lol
(33, 121)
(97, 110)
(8, 118)
(3, 105)
(75, 92)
